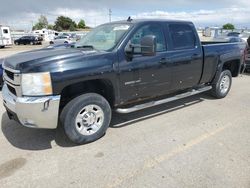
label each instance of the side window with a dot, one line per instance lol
(5, 31)
(182, 36)
(153, 29)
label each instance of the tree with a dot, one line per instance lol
(228, 26)
(81, 24)
(50, 26)
(42, 23)
(65, 23)
(72, 28)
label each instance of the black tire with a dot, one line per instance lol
(217, 90)
(74, 107)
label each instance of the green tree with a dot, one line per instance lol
(50, 26)
(228, 26)
(81, 24)
(65, 23)
(72, 28)
(42, 23)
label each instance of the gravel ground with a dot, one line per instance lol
(194, 142)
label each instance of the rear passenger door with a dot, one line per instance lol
(185, 54)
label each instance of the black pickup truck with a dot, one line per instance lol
(123, 66)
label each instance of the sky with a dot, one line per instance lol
(22, 14)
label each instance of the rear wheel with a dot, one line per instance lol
(222, 85)
(86, 118)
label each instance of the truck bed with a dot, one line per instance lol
(213, 52)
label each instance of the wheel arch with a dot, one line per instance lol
(233, 66)
(103, 87)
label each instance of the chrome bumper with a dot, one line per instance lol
(34, 112)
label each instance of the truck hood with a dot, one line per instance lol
(38, 60)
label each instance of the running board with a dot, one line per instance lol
(163, 101)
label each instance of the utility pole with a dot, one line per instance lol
(110, 14)
(32, 25)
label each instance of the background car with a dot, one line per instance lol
(235, 39)
(247, 62)
(234, 34)
(1, 73)
(62, 45)
(32, 40)
(61, 39)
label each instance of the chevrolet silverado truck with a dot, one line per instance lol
(122, 66)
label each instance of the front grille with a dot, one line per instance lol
(12, 89)
(9, 74)
(12, 79)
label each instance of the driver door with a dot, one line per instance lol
(154, 75)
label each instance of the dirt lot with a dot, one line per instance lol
(194, 142)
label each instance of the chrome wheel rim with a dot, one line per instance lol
(225, 84)
(89, 120)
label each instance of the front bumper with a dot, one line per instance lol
(34, 112)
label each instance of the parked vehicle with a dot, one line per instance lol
(46, 34)
(234, 34)
(234, 39)
(61, 39)
(32, 40)
(5, 37)
(248, 60)
(140, 64)
(1, 73)
(63, 45)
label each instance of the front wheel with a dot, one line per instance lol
(86, 118)
(222, 85)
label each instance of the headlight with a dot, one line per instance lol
(36, 84)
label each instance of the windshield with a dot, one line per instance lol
(104, 37)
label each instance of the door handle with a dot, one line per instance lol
(195, 56)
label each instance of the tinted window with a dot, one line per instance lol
(5, 31)
(233, 34)
(182, 36)
(153, 29)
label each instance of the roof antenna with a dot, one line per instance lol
(129, 19)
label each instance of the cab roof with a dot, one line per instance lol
(138, 21)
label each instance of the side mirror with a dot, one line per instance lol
(148, 45)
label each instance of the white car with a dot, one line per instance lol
(61, 39)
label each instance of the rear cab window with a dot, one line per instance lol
(182, 36)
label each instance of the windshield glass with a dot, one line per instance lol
(104, 37)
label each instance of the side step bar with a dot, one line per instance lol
(163, 101)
